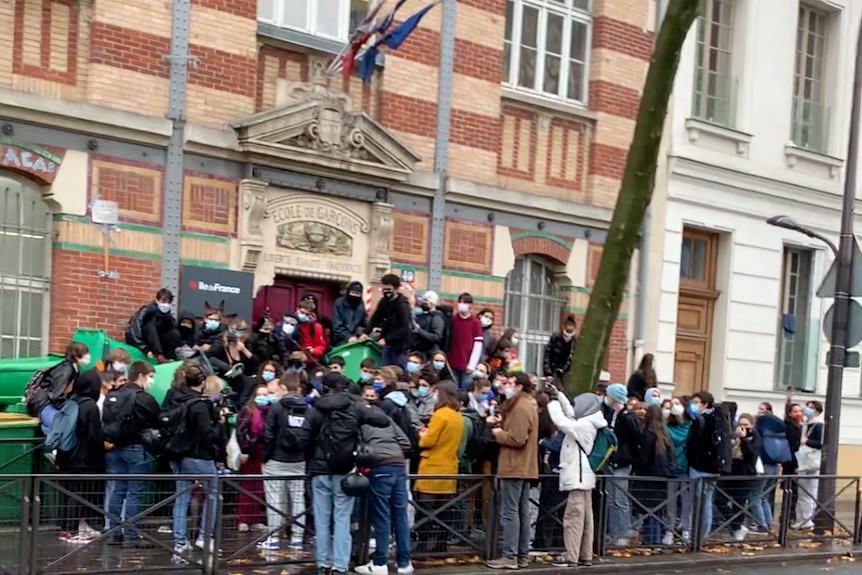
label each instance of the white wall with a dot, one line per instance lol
(731, 180)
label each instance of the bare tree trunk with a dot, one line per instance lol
(634, 197)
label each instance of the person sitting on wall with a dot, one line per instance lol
(153, 329)
(264, 343)
(214, 325)
(189, 330)
(349, 318)
(322, 318)
(286, 331)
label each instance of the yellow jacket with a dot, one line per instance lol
(439, 455)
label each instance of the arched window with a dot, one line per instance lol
(25, 244)
(533, 307)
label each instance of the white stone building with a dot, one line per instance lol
(758, 127)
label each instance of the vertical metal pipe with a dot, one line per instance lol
(843, 284)
(441, 148)
(646, 234)
(172, 221)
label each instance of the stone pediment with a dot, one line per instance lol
(318, 129)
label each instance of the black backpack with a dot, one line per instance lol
(175, 437)
(338, 439)
(36, 392)
(118, 416)
(295, 419)
(447, 311)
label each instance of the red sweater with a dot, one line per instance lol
(311, 334)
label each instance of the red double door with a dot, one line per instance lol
(285, 294)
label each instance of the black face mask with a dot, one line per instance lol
(294, 365)
(389, 294)
(354, 299)
(426, 306)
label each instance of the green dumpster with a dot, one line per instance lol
(20, 453)
(353, 353)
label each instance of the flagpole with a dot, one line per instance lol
(441, 147)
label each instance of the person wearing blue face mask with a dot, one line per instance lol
(708, 451)
(652, 396)
(281, 457)
(153, 329)
(422, 400)
(440, 365)
(269, 372)
(808, 469)
(249, 435)
(429, 328)
(212, 328)
(415, 361)
(366, 372)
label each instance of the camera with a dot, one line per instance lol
(225, 400)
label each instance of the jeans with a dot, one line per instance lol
(134, 460)
(707, 490)
(389, 357)
(515, 517)
(388, 500)
(281, 491)
(758, 504)
(46, 416)
(464, 378)
(768, 488)
(188, 465)
(332, 511)
(619, 504)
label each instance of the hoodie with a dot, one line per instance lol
(579, 438)
(207, 435)
(349, 317)
(395, 319)
(284, 422)
(309, 437)
(389, 444)
(88, 455)
(188, 336)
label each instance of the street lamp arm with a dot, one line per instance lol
(822, 238)
(789, 223)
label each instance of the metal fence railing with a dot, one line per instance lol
(52, 524)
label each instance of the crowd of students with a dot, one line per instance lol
(448, 399)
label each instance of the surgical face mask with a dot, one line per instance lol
(438, 365)
(422, 391)
(119, 367)
(378, 386)
(463, 308)
(261, 400)
(693, 410)
(568, 335)
(164, 307)
(677, 410)
(486, 322)
(303, 317)
(652, 400)
(151, 379)
(296, 368)
(477, 374)
(288, 329)
(85, 360)
(272, 398)
(665, 413)
(268, 376)
(365, 376)
(608, 401)
(481, 397)
(212, 324)
(516, 340)
(808, 412)
(510, 392)
(412, 367)
(418, 311)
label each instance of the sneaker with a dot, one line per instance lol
(523, 562)
(85, 529)
(739, 534)
(667, 539)
(179, 551)
(199, 543)
(137, 543)
(561, 561)
(269, 544)
(297, 544)
(234, 371)
(79, 539)
(165, 529)
(259, 527)
(621, 542)
(502, 563)
(65, 536)
(804, 526)
(242, 528)
(372, 569)
(408, 570)
(585, 563)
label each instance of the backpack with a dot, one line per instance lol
(720, 447)
(63, 435)
(118, 416)
(176, 441)
(475, 449)
(446, 310)
(776, 449)
(287, 438)
(338, 438)
(36, 393)
(603, 449)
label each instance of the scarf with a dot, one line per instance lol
(257, 421)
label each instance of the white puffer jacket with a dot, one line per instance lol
(575, 470)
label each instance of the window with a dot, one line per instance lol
(810, 117)
(694, 260)
(792, 347)
(533, 307)
(326, 18)
(546, 48)
(24, 269)
(714, 88)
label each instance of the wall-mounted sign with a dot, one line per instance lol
(200, 286)
(30, 160)
(105, 212)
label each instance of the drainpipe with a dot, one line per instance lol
(441, 147)
(644, 255)
(172, 222)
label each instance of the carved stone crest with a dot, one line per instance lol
(253, 212)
